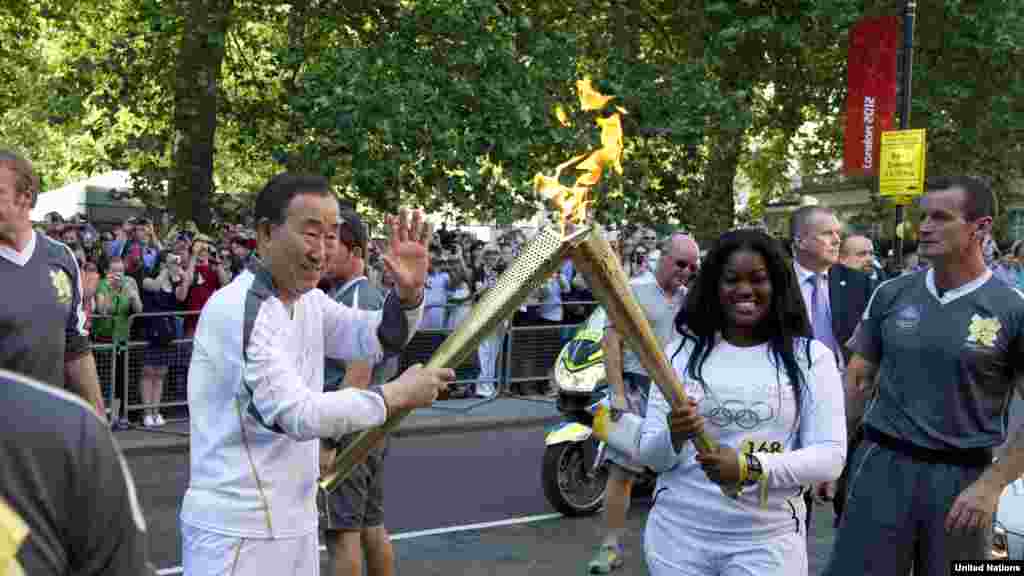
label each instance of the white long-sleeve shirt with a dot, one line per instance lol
(256, 402)
(749, 404)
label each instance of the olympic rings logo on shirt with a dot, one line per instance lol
(744, 416)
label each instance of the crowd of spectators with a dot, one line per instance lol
(134, 268)
(131, 269)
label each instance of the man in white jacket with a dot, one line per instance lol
(255, 383)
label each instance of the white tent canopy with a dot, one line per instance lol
(70, 200)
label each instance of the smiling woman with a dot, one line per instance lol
(769, 394)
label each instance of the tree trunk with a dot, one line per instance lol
(196, 95)
(298, 19)
(717, 194)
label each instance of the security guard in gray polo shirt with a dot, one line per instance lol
(947, 345)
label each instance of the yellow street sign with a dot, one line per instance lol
(902, 164)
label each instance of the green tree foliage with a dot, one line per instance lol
(968, 87)
(450, 102)
(444, 105)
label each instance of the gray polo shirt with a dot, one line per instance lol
(42, 322)
(661, 310)
(946, 365)
(63, 476)
(358, 293)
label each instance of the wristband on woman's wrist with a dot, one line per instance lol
(741, 459)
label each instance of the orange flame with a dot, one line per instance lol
(590, 98)
(573, 201)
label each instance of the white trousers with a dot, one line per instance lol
(489, 351)
(687, 554)
(206, 553)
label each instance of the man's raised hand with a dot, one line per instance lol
(408, 257)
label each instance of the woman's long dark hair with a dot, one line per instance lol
(703, 317)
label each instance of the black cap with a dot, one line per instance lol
(353, 231)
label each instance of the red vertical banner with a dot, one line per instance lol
(871, 91)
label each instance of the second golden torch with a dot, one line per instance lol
(596, 260)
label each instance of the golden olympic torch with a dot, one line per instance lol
(601, 268)
(596, 260)
(541, 257)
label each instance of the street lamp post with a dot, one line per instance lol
(909, 9)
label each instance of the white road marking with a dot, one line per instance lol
(431, 532)
(478, 526)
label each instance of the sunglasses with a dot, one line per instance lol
(683, 265)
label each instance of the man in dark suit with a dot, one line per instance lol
(835, 295)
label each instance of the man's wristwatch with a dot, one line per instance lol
(754, 470)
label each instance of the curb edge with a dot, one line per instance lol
(428, 428)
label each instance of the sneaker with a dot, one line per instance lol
(148, 421)
(608, 558)
(158, 419)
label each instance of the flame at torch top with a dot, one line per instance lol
(574, 200)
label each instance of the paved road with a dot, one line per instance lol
(550, 547)
(445, 481)
(430, 482)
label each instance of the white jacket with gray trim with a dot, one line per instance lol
(749, 405)
(257, 405)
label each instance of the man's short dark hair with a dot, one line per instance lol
(25, 179)
(273, 200)
(801, 218)
(352, 231)
(979, 201)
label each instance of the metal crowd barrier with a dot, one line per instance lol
(527, 354)
(105, 355)
(531, 352)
